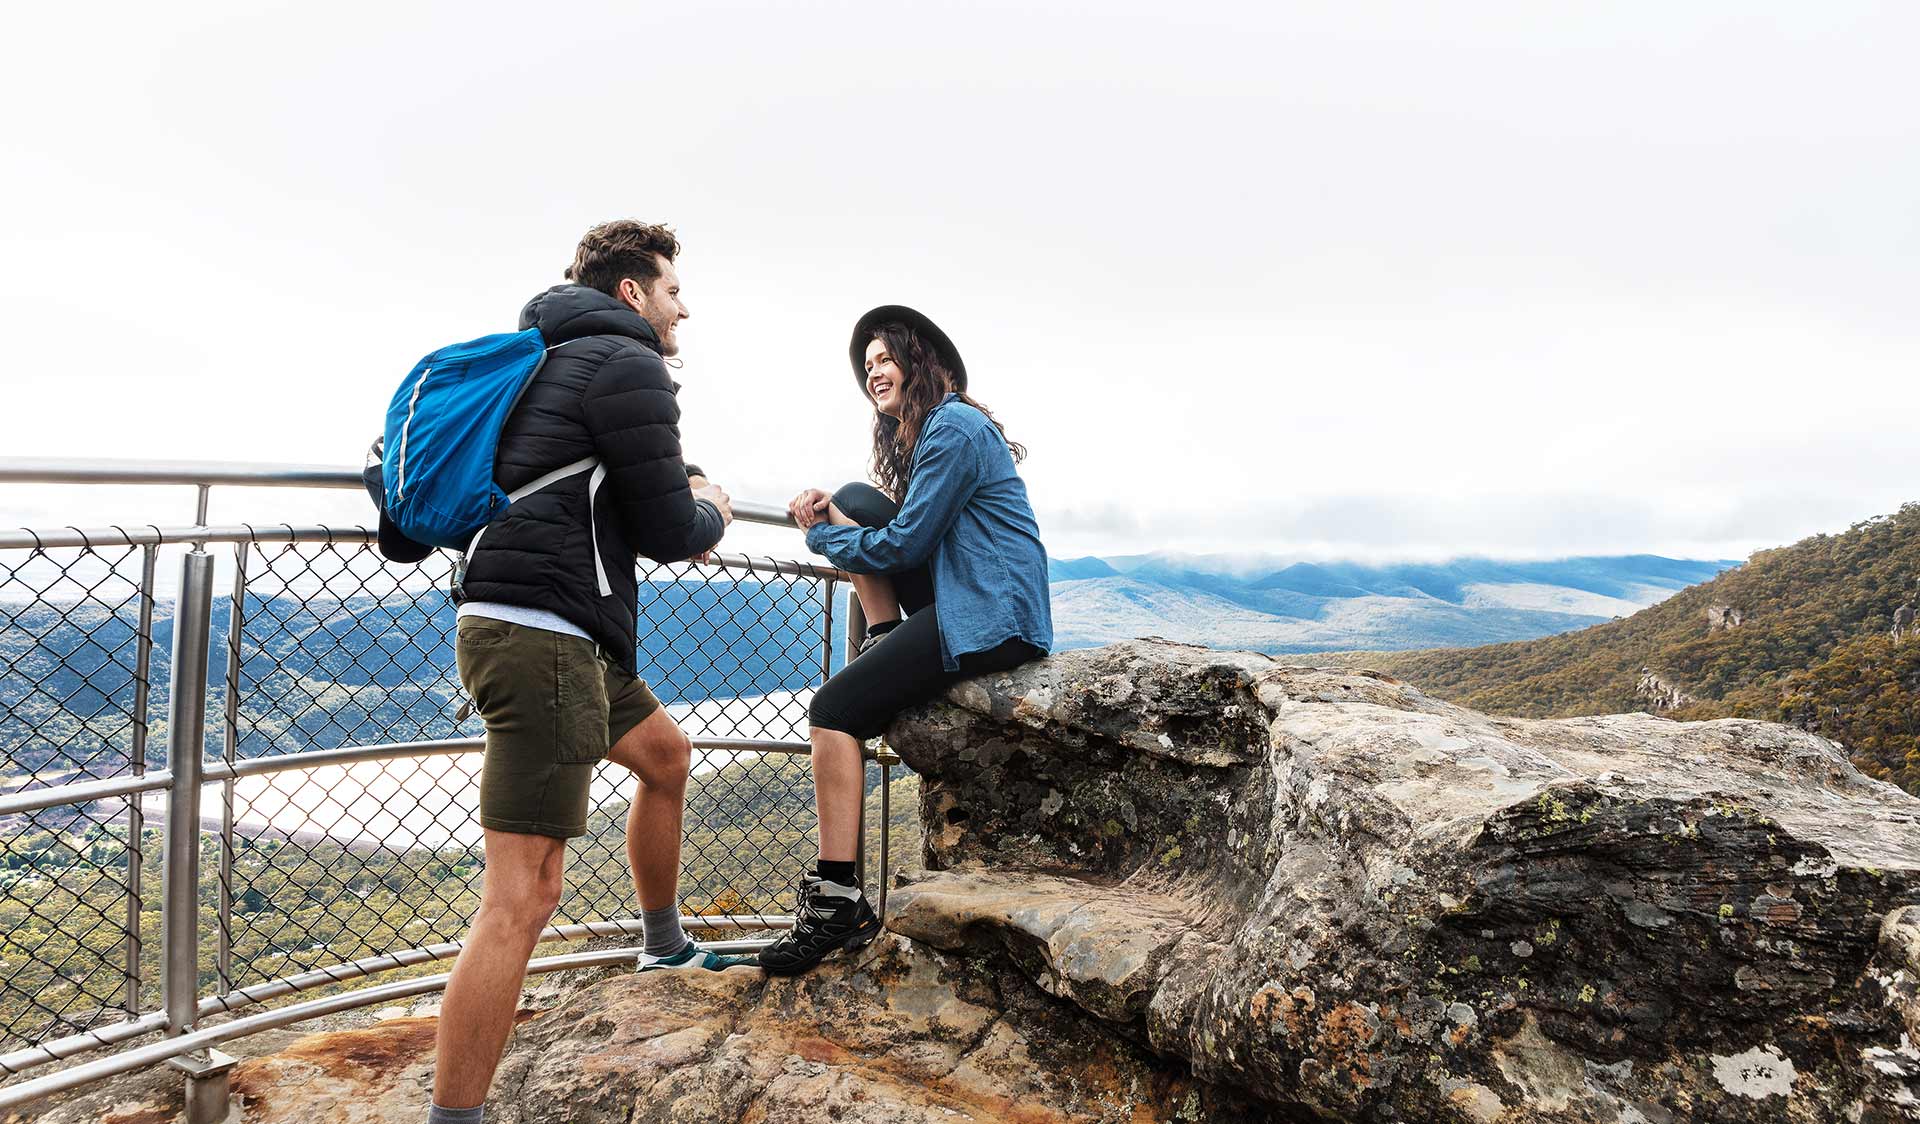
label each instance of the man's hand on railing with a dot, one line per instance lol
(809, 507)
(714, 494)
(703, 489)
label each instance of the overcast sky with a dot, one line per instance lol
(1361, 280)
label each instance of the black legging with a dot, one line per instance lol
(905, 667)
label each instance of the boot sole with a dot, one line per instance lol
(852, 942)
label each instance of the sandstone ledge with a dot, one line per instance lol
(900, 1034)
(1347, 898)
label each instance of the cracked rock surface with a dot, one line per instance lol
(900, 1034)
(1338, 895)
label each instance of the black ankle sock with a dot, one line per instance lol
(841, 873)
(881, 629)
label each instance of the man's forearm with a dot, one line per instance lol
(710, 527)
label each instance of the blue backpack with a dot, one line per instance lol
(443, 429)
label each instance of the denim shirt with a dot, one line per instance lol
(966, 513)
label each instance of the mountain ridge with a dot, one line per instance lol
(1801, 633)
(1279, 605)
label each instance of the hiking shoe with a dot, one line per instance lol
(692, 956)
(825, 922)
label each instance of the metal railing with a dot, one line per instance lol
(319, 695)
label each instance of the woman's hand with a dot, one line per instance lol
(809, 507)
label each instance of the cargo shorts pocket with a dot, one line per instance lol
(580, 700)
(481, 647)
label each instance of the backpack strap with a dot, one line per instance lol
(554, 477)
(593, 528)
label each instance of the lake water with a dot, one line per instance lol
(432, 801)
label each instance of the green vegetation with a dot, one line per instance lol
(1813, 648)
(302, 905)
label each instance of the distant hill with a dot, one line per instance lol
(325, 672)
(1279, 606)
(1074, 569)
(329, 672)
(1799, 634)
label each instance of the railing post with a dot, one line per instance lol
(136, 815)
(826, 631)
(236, 617)
(886, 830)
(186, 733)
(206, 1091)
(857, 632)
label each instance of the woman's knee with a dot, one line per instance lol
(865, 504)
(829, 710)
(822, 713)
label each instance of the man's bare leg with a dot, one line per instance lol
(838, 773)
(517, 897)
(659, 755)
(875, 591)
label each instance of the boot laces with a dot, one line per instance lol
(813, 907)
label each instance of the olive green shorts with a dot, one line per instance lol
(553, 707)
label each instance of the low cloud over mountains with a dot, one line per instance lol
(1271, 605)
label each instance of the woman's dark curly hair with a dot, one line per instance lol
(925, 381)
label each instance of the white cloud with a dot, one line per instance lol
(1377, 280)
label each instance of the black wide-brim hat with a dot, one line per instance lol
(926, 329)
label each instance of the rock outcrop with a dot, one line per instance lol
(1166, 883)
(902, 1034)
(1348, 899)
(1723, 617)
(1657, 694)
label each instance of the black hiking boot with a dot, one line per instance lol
(824, 923)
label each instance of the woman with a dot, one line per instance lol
(948, 540)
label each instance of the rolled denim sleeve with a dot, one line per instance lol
(946, 473)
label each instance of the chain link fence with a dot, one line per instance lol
(320, 647)
(76, 675)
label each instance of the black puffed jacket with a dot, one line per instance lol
(606, 396)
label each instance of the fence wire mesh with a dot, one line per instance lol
(76, 642)
(336, 647)
(65, 960)
(71, 641)
(323, 645)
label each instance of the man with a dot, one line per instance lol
(546, 642)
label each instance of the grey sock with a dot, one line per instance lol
(437, 1115)
(664, 936)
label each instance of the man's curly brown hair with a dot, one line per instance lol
(618, 249)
